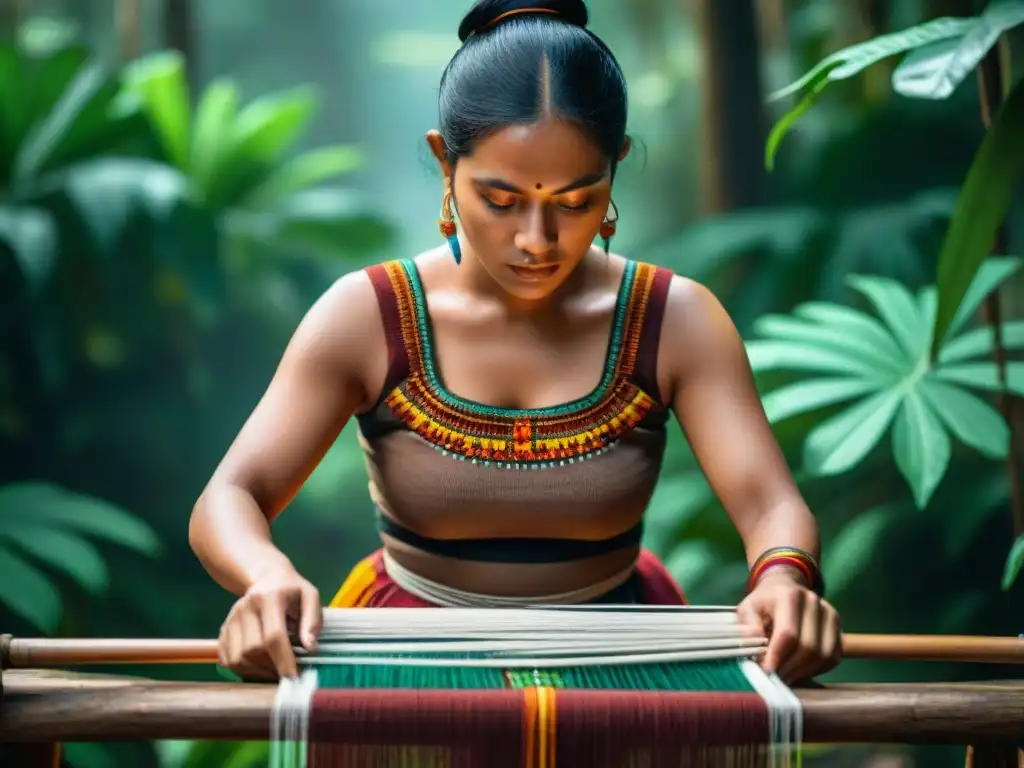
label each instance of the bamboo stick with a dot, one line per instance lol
(56, 652)
(63, 707)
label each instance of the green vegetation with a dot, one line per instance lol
(159, 242)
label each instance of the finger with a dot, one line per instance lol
(275, 638)
(785, 631)
(806, 656)
(749, 618)
(311, 619)
(254, 652)
(831, 637)
(224, 657)
(234, 657)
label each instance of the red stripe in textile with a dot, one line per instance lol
(661, 729)
(378, 728)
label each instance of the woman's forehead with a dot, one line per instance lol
(550, 153)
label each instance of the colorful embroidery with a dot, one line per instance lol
(520, 439)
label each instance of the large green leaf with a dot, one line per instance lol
(46, 504)
(1014, 563)
(805, 396)
(984, 200)
(837, 444)
(32, 237)
(982, 341)
(793, 356)
(850, 61)
(849, 553)
(109, 192)
(971, 420)
(213, 132)
(27, 592)
(921, 447)
(993, 272)
(160, 83)
(855, 59)
(59, 550)
(783, 125)
(307, 170)
(936, 70)
(853, 323)
(897, 308)
(73, 127)
(787, 328)
(984, 376)
(263, 132)
(268, 126)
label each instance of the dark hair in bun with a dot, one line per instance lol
(496, 78)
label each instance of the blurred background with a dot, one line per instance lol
(181, 179)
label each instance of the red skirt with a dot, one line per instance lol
(369, 586)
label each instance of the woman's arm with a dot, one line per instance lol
(328, 371)
(321, 380)
(703, 367)
(714, 398)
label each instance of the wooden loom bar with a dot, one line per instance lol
(45, 652)
(62, 707)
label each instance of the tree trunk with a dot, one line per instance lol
(179, 34)
(734, 121)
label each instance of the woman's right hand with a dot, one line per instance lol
(255, 641)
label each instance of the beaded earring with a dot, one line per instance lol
(608, 226)
(446, 224)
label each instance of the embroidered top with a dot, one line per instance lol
(439, 464)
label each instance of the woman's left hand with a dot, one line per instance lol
(803, 630)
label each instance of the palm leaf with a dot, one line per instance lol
(805, 396)
(840, 442)
(1014, 563)
(850, 61)
(973, 421)
(984, 200)
(926, 404)
(159, 81)
(27, 592)
(936, 70)
(921, 447)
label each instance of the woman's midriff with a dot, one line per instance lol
(511, 579)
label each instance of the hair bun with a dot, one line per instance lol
(485, 13)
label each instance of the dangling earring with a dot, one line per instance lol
(608, 226)
(448, 229)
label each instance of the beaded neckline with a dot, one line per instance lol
(518, 438)
(428, 362)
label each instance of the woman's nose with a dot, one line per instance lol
(537, 235)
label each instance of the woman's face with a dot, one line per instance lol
(530, 201)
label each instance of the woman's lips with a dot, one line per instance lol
(534, 274)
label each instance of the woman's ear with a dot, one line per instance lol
(627, 144)
(437, 148)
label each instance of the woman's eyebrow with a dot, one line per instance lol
(583, 181)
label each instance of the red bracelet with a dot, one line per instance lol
(802, 561)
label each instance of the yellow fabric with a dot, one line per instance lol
(356, 589)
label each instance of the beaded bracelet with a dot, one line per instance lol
(802, 561)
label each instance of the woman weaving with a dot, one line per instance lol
(515, 345)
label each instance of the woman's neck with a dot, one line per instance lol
(471, 276)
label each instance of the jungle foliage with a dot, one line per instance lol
(158, 246)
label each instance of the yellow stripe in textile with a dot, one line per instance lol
(545, 727)
(529, 727)
(357, 587)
